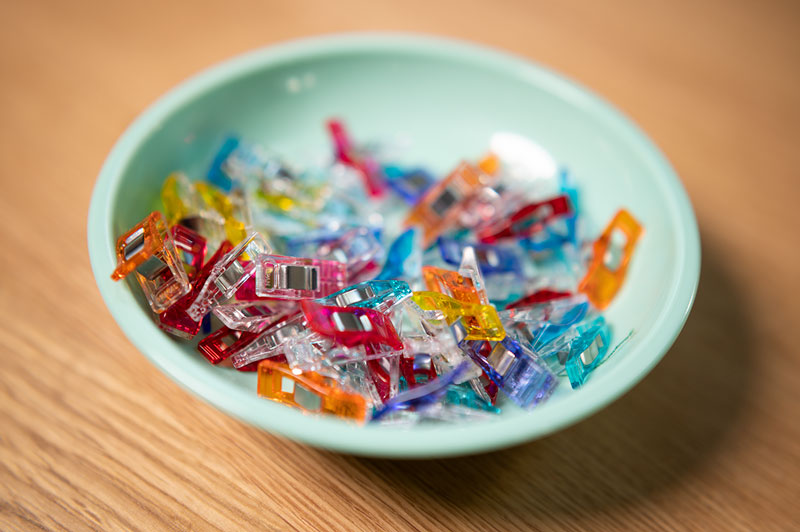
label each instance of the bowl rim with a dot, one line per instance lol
(387, 441)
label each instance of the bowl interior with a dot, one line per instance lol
(448, 98)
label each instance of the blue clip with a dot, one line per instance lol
(464, 395)
(553, 235)
(559, 323)
(539, 325)
(411, 185)
(216, 175)
(378, 295)
(492, 259)
(359, 248)
(305, 245)
(516, 370)
(404, 259)
(588, 350)
(205, 326)
(567, 186)
(422, 396)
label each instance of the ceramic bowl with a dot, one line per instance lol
(449, 97)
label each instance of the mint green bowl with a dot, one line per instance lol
(449, 97)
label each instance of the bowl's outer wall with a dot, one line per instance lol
(447, 98)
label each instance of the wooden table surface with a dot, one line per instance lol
(92, 436)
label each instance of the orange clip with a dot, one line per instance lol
(148, 250)
(440, 206)
(604, 278)
(308, 391)
(450, 283)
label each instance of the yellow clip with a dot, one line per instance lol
(177, 197)
(481, 322)
(215, 199)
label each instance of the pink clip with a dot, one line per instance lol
(191, 247)
(367, 167)
(175, 320)
(298, 278)
(228, 275)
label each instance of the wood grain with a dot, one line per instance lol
(93, 437)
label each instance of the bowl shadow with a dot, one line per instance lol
(668, 425)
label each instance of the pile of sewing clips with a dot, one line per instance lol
(371, 290)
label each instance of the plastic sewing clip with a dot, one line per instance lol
(466, 396)
(492, 259)
(404, 259)
(351, 326)
(587, 350)
(439, 208)
(214, 199)
(250, 316)
(192, 249)
(517, 371)
(411, 185)
(527, 220)
(610, 259)
(541, 324)
(216, 172)
(385, 376)
(325, 354)
(540, 296)
(358, 248)
(221, 344)
(470, 269)
(377, 295)
(370, 171)
(148, 251)
(422, 396)
(238, 163)
(178, 197)
(450, 283)
(175, 320)
(228, 275)
(481, 322)
(272, 339)
(310, 392)
(298, 278)
(417, 369)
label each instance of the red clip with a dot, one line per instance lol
(527, 221)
